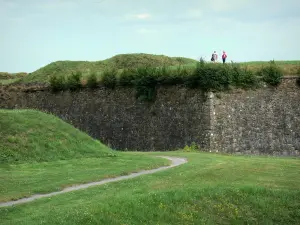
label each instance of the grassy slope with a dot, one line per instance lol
(118, 62)
(38, 142)
(32, 136)
(209, 189)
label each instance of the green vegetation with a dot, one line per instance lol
(26, 179)
(209, 189)
(92, 81)
(9, 78)
(6, 76)
(8, 81)
(271, 74)
(206, 76)
(133, 61)
(32, 136)
(118, 62)
(39, 153)
(109, 78)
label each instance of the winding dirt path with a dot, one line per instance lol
(175, 161)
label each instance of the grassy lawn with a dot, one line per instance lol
(23, 180)
(209, 189)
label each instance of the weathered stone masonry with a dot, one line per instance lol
(262, 121)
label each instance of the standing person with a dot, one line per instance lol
(214, 57)
(224, 56)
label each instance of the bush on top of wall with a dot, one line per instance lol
(206, 76)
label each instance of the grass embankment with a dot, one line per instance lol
(133, 61)
(209, 189)
(66, 68)
(40, 153)
(8, 78)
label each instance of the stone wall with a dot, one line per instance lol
(177, 117)
(262, 121)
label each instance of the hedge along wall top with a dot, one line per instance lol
(206, 76)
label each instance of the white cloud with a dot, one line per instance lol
(141, 16)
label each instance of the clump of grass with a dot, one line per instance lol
(192, 148)
(171, 77)
(243, 77)
(145, 84)
(127, 77)
(57, 83)
(271, 74)
(73, 82)
(109, 78)
(92, 81)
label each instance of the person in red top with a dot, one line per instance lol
(224, 56)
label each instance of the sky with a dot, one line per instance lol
(35, 33)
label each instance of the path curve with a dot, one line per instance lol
(175, 161)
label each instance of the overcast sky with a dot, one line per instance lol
(37, 32)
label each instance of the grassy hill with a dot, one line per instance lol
(32, 136)
(119, 62)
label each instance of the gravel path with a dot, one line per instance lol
(175, 161)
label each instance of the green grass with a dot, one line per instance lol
(209, 189)
(65, 68)
(8, 81)
(33, 136)
(40, 153)
(26, 179)
(288, 67)
(125, 61)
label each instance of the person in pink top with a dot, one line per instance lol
(224, 56)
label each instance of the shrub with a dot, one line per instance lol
(92, 81)
(213, 77)
(272, 74)
(171, 77)
(192, 79)
(192, 148)
(109, 78)
(57, 83)
(145, 83)
(243, 78)
(73, 81)
(127, 77)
